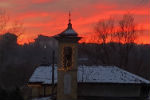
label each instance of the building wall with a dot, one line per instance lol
(93, 90)
(105, 90)
(41, 90)
(36, 91)
(48, 90)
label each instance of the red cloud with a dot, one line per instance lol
(41, 1)
(55, 19)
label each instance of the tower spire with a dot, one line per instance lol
(69, 24)
(69, 17)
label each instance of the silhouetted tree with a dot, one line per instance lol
(104, 29)
(8, 25)
(3, 21)
(127, 34)
(127, 29)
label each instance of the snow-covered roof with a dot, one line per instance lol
(90, 74)
(43, 98)
(69, 32)
(43, 74)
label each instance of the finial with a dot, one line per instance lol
(69, 17)
(69, 24)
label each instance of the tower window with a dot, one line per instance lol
(67, 57)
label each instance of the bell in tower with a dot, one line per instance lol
(67, 63)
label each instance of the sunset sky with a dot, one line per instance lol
(49, 17)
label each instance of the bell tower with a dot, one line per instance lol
(67, 63)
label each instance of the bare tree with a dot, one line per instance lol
(17, 28)
(127, 29)
(3, 21)
(104, 28)
(126, 34)
(7, 26)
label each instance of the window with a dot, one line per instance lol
(67, 60)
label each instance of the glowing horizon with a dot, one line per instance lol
(50, 17)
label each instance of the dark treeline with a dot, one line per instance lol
(131, 57)
(17, 62)
(14, 94)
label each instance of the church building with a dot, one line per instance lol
(70, 81)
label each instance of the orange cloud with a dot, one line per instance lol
(40, 1)
(50, 17)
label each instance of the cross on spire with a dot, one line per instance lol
(69, 17)
(69, 24)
